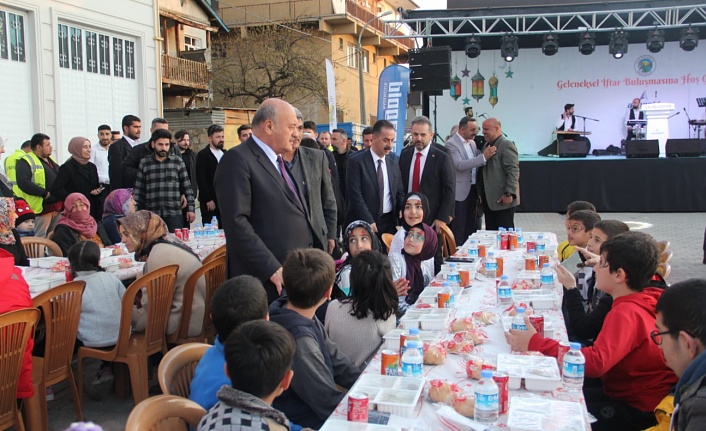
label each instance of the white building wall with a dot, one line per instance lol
(65, 102)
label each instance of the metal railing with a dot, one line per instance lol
(364, 14)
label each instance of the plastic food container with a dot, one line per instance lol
(429, 295)
(540, 299)
(540, 373)
(392, 338)
(530, 278)
(545, 414)
(396, 395)
(106, 252)
(433, 322)
(46, 262)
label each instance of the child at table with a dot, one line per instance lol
(25, 218)
(259, 358)
(101, 305)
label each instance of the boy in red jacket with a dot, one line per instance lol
(629, 365)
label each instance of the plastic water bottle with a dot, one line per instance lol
(413, 337)
(520, 239)
(473, 249)
(412, 360)
(487, 403)
(539, 245)
(491, 266)
(518, 321)
(198, 233)
(214, 221)
(573, 369)
(453, 277)
(504, 291)
(445, 297)
(500, 238)
(547, 277)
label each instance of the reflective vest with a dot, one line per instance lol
(38, 178)
(11, 165)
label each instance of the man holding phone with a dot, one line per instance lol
(499, 184)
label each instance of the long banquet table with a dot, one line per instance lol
(481, 296)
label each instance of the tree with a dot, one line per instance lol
(281, 61)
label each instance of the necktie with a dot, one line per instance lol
(288, 180)
(415, 173)
(381, 188)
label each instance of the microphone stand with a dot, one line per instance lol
(584, 121)
(688, 119)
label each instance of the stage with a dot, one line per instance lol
(613, 183)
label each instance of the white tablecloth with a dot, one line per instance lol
(481, 296)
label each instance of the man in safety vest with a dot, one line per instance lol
(11, 161)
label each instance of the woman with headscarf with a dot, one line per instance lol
(415, 210)
(9, 237)
(76, 224)
(146, 234)
(118, 204)
(419, 245)
(79, 175)
(5, 185)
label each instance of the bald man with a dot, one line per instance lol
(500, 180)
(263, 210)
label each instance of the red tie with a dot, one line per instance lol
(415, 173)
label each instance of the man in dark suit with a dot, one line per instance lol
(206, 163)
(131, 162)
(499, 183)
(311, 170)
(264, 218)
(118, 151)
(430, 171)
(374, 190)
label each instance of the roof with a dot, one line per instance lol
(213, 14)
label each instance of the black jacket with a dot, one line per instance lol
(189, 158)
(65, 237)
(206, 164)
(117, 152)
(437, 183)
(77, 178)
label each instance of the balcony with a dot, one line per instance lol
(364, 15)
(183, 76)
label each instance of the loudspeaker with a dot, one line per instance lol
(641, 149)
(683, 148)
(430, 69)
(576, 148)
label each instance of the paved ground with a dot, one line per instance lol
(685, 231)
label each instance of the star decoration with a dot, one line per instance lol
(465, 72)
(466, 101)
(509, 74)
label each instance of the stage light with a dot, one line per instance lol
(689, 38)
(509, 48)
(655, 40)
(587, 43)
(618, 45)
(550, 44)
(473, 47)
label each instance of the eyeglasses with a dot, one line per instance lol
(575, 228)
(656, 336)
(416, 237)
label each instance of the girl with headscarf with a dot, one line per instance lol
(146, 234)
(118, 204)
(419, 245)
(415, 210)
(76, 224)
(9, 237)
(79, 175)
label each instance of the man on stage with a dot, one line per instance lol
(635, 118)
(566, 123)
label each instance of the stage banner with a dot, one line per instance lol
(392, 100)
(331, 88)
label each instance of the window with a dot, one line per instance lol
(12, 37)
(366, 62)
(352, 56)
(80, 47)
(192, 43)
(340, 44)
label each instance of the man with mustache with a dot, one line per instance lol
(206, 163)
(161, 181)
(374, 190)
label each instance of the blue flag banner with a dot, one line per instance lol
(392, 100)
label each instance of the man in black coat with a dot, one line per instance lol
(119, 150)
(206, 163)
(183, 145)
(139, 152)
(264, 218)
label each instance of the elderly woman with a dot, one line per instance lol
(9, 237)
(76, 224)
(79, 175)
(419, 245)
(118, 204)
(145, 233)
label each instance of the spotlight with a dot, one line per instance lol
(473, 47)
(689, 38)
(618, 45)
(587, 43)
(655, 40)
(509, 49)
(550, 44)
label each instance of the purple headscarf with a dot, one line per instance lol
(414, 262)
(115, 202)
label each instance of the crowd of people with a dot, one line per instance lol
(327, 247)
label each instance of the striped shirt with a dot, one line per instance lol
(159, 186)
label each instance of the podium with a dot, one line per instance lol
(657, 115)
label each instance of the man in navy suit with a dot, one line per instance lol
(262, 209)
(430, 171)
(374, 189)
